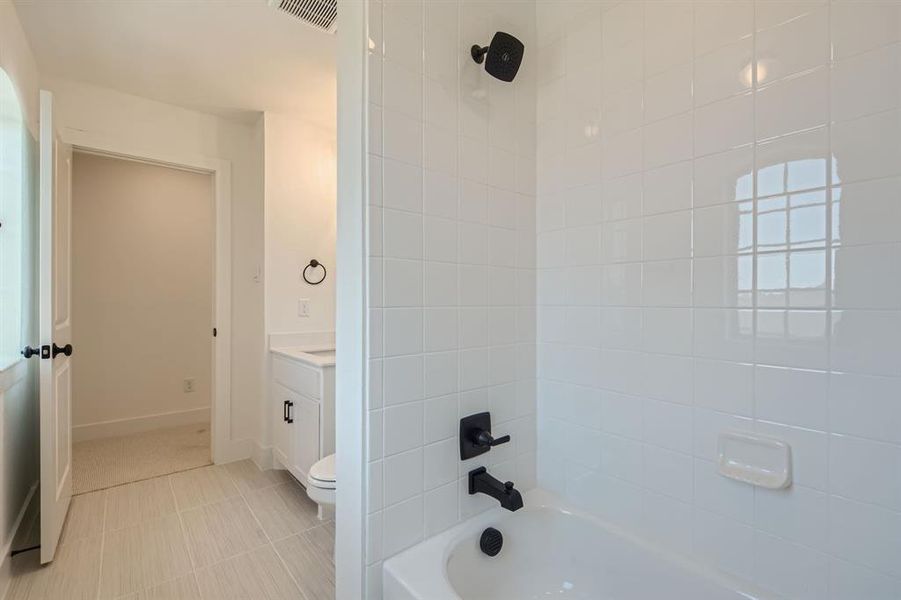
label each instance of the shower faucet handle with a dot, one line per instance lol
(483, 438)
(475, 435)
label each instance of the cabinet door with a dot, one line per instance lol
(306, 434)
(282, 398)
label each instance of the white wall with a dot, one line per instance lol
(300, 188)
(720, 251)
(142, 295)
(18, 387)
(451, 279)
(113, 116)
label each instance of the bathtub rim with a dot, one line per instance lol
(407, 574)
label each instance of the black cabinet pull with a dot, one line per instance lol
(290, 412)
(67, 350)
(28, 352)
(285, 411)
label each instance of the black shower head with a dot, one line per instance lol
(504, 56)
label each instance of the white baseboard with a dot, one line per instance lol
(104, 429)
(29, 506)
(233, 450)
(262, 456)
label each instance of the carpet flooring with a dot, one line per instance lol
(107, 462)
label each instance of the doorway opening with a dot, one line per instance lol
(142, 304)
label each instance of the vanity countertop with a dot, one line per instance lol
(316, 356)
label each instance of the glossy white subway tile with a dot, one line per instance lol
(865, 406)
(866, 534)
(798, 514)
(867, 148)
(668, 36)
(858, 283)
(724, 543)
(667, 189)
(862, 470)
(403, 427)
(668, 93)
(718, 23)
(724, 125)
(794, 43)
(861, 26)
(791, 396)
(867, 212)
(866, 342)
(848, 581)
(793, 104)
(724, 386)
(725, 72)
(866, 84)
(810, 569)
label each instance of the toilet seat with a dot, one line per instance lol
(322, 473)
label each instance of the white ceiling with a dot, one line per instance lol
(227, 57)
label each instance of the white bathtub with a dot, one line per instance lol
(550, 550)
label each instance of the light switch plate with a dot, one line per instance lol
(303, 307)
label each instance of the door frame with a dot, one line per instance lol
(222, 448)
(352, 325)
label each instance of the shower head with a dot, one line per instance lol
(504, 55)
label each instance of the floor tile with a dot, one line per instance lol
(71, 576)
(323, 538)
(136, 502)
(313, 571)
(248, 477)
(283, 510)
(202, 486)
(183, 588)
(219, 531)
(258, 575)
(143, 556)
(85, 517)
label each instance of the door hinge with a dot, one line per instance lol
(215, 332)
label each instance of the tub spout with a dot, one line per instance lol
(480, 482)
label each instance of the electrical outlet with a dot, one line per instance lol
(303, 307)
(188, 385)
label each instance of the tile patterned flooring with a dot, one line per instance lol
(215, 533)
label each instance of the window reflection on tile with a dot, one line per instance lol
(792, 338)
(792, 279)
(792, 222)
(792, 163)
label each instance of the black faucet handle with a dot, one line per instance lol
(484, 438)
(508, 486)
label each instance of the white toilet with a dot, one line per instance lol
(321, 486)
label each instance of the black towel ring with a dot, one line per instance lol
(313, 264)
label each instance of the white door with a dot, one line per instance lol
(55, 325)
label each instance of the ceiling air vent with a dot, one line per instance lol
(321, 14)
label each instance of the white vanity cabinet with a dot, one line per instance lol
(302, 389)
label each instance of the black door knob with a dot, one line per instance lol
(67, 350)
(28, 352)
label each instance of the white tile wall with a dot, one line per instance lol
(719, 246)
(452, 263)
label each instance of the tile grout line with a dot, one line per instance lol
(256, 519)
(103, 532)
(181, 525)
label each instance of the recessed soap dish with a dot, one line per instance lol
(756, 459)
